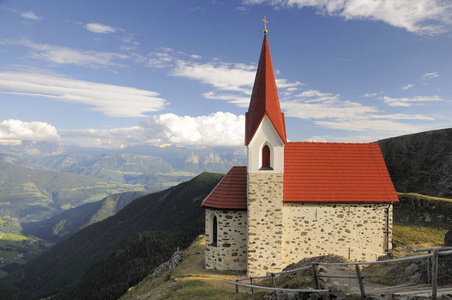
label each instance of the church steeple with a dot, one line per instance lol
(264, 99)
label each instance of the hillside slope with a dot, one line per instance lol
(169, 210)
(71, 221)
(420, 163)
(29, 193)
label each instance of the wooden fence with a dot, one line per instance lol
(431, 258)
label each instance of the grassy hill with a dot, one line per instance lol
(130, 243)
(30, 194)
(189, 280)
(420, 222)
(71, 221)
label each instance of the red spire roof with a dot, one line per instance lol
(264, 99)
(230, 192)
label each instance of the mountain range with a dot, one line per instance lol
(104, 259)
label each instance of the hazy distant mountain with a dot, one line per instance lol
(420, 163)
(163, 221)
(73, 220)
(28, 192)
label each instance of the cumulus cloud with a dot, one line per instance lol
(406, 102)
(425, 17)
(16, 131)
(111, 100)
(217, 129)
(99, 28)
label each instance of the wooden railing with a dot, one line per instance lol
(431, 257)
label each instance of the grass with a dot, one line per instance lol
(189, 280)
(404, 235)
(426, 197)
(13, 237)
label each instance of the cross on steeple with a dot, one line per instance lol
(265, 24)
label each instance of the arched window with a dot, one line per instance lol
(266, 158)
(214, 231)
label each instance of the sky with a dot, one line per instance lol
(112, 74)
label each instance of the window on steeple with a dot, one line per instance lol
(266, 158)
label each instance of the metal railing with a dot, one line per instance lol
(432, 257)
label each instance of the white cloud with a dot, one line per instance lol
(99, 28)
(390, 127)
(231, 98)
(30, 15)
(217, 129)
(111, 100)
(329, 110)
(68, 56)
(16, 130)
(369, 95)
(426, 17)
(427, 76)
(25, 14)
(407, 87)
(223, 76)
(406, 102)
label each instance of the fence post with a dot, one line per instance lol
(274, 285)
(435, 273)
(251, 282)
(236, 287)
(360, 281)
(429, 275)
(316, 277)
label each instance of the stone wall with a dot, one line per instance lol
(265, 196)
(354, 231)
(230, 251)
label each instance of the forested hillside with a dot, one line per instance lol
(122, 248)
(420, 163)
(71, 221)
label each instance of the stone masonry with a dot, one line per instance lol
(230, 251)
(265, 221)
(359, 232)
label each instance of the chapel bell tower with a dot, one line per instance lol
(265, 137)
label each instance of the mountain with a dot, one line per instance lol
(73, 220)
(28, 192)
(420, 163)
(155, 224)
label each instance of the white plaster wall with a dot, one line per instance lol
(354, 231)
(230, 253)
(266, 134)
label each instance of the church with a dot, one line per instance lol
(296, 199)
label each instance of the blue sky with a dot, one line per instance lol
(118, 73)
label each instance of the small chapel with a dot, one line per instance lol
(296, 199)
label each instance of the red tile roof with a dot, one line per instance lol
(317, 172)
(336, 172)
(264, 99)
(230, 193)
